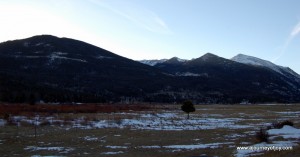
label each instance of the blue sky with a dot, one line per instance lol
(155, 29)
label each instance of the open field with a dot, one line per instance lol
(213, 130)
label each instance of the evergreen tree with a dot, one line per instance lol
(188, 107)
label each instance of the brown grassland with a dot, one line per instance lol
(64, 140)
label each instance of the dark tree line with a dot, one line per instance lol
(61, 97)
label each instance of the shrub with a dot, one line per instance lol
(280, 125)
(262, 136)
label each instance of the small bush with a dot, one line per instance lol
(262, 136)
(280, 125)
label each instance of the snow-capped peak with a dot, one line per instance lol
(241, 58)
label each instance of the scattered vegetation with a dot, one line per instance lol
(262, 135)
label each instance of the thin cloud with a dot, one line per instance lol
(294, 33)
(138, 15)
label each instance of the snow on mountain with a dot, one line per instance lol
(153, 61)
(241, 58)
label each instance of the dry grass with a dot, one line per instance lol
(14, 139)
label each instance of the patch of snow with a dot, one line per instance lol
(117, 147)
(197, 146)
(150, 147)
(18, 118)
(192, 74)
(166, 115)
(2, 122)
(112, 153)
(171, 121)
(55, 56)
(35, 148)
(88, 138)
(38, 44)
(233, 136)
(190, 147)
(103, 57)
(60, 53)
(52, 57)
(30, 57)
(286, 132)
(289, 112)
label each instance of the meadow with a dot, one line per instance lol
(143, 130)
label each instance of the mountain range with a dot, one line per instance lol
(53, 69)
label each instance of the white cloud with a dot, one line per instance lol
(295, 31)
(137, 14)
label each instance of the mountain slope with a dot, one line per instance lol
(75, 66)
(56, 69)
(287, 74)
(226, 78)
